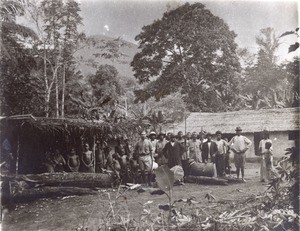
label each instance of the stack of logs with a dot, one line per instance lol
(33, 186)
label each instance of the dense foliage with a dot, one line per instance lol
(188, 61)
(266, 84)
(96, 94)
(188, 50)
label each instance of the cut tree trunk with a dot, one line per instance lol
(233, 180)
(63, 92)
(205, 180)
(201, 169)
(76, 179)
(30, 194)
(56, 96)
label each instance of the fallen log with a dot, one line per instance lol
(30, 194)
(233, 180)
(74, 179)
(205, 180)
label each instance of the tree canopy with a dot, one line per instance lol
(188, 50)
(92, 95)
(267, 84)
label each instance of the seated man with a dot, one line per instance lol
(59, 161)
(54, 162)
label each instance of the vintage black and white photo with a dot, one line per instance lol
(149, 115)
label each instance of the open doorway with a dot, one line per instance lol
(257, 138)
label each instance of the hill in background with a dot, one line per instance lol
(89, 57)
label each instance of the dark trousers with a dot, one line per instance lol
(227, 163)
(186, 167)
(220, 164)
(204, 157)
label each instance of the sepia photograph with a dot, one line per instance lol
(149, 115)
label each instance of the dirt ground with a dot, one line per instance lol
(69, 213)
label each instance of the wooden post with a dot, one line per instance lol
(94, 151)
(184, 122)
(126, 107)
(18, 154)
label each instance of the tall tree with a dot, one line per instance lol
(53, 14)
(18, 88)
(266, 83)
(188, 50)
(71, 40)
(56, 23)
(294, 79)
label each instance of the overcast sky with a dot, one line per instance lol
(125, 18)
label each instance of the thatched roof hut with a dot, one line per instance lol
(283, 124)
(31, 137)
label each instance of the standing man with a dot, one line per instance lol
(220, 156)
(262, 150)
(239, 145)
(209, 149)
(153, 140)
(173, 152)
(143, 152)
(168, 137)
(160, 144)
(188, 136)
(185, 155)
(194, 148)
(87, 159)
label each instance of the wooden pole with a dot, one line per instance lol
(18, 154)
(184, 122)
(94, 151)
(126, 107)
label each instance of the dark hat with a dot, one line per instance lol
(265, 131)
(162, 134)
(218, 132)
(208, 134)
(238, 129)
(172, 135)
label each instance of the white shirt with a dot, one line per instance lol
(239, 143)
(222, 146)
(208, 144)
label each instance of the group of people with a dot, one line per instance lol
(178, 149)
(72, 162)
(154, 150)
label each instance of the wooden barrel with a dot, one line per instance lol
(201, 169)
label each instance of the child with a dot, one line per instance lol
(268, 160)
(262, 150)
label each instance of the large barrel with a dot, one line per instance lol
(201, 169)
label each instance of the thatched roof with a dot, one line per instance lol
(285, 119)
(59, 126)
